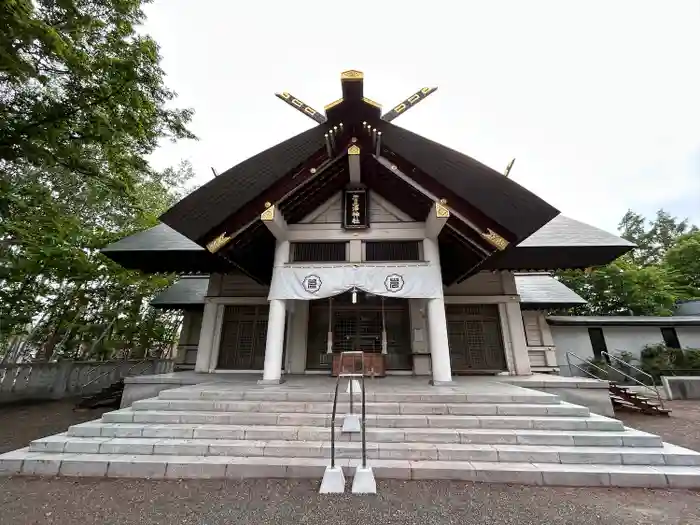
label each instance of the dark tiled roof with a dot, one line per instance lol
(162, 249)
(543, 289)
(497, 197)
(184, 293)
(564, 231)
(159, 238)
(561, 243)
(211, 204)
(631, 320)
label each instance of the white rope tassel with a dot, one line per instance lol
(384, 341)
(329, 343)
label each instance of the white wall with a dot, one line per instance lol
(571, 339)
(380, 210)
(617, 339)
(631, 338)
(689, 336)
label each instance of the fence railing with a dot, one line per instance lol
(70, 378)
(610, 368)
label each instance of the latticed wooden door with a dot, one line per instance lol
(476, 342)
(243, 337)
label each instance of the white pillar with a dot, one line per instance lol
(274, 345)
(521, 357)
(437, 323)
(206, 337)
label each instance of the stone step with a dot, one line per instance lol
(412, 408)
(665, 455)
(611, 438)
(187, 467)
(474, 409)
(593, 422)
(305, 396)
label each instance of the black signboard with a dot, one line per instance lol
(355, 209)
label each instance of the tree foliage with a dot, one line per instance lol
(663, 269)
(82, 104)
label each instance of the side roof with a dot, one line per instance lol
(561, 243)
(623, 320)
(542, 291)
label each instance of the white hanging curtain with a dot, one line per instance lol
(416, 281)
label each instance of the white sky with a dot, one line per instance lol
(599, 101)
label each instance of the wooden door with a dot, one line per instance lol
(476, 342)
(243, 337)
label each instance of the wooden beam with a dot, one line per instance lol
(301, 107)
(273, 219)
(354, 163)
(437, 218)
(408, 180)
(408, 103)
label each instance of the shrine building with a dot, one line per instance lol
(361, 235)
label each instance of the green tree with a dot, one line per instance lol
(683, 260)
(82, 104)
(649, 280)
(82, 90)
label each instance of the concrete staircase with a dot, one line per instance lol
(208, 431)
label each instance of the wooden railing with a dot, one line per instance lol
(69, 378)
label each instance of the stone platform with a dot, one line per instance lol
(479, 429)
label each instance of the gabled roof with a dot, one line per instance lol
(209, 205)
(542, 291)
(497, 197)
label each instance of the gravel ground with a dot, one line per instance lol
(682, 427)
(20, 424)
(87, 501)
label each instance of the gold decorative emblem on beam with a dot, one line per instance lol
(441, 211)
(354, 150)
(496, 240)
(218, 243)
(371, 102)
(269, 213)
(301, 106)
(408, 103)
(352, 74)
(333, 104)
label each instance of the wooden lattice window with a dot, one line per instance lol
(392, 251)
(319, 251)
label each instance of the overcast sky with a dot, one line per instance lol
(599, 101)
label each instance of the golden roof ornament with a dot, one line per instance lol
(218, 243)
(496, 240)
(269, 213)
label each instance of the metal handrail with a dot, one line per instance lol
(587, 372)
(335, 404)
(653, 382)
